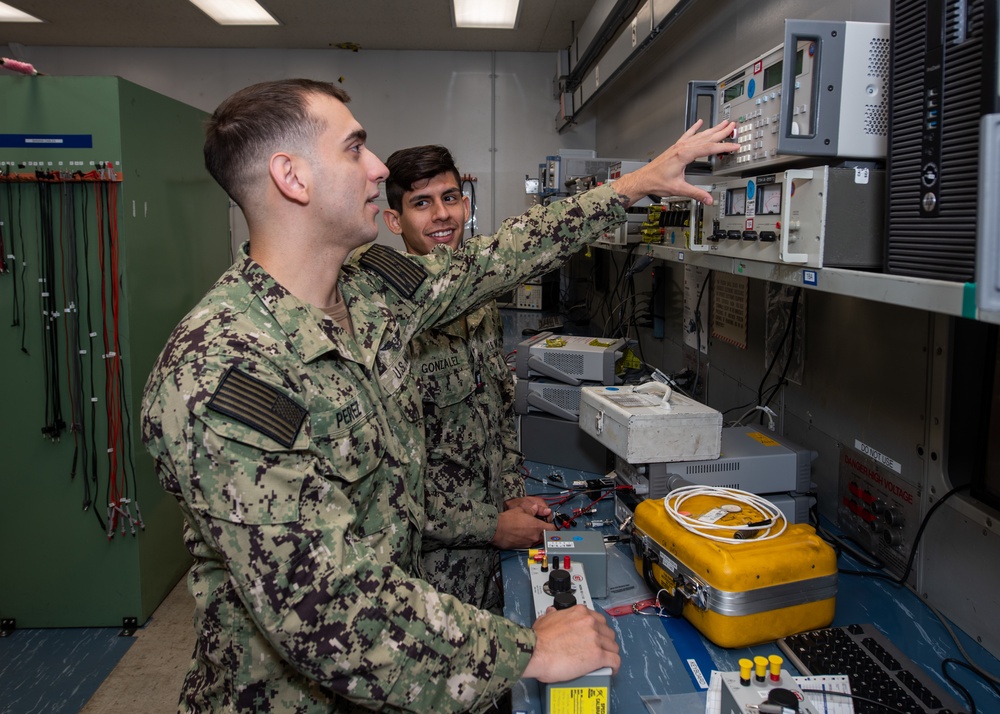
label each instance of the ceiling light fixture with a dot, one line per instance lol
(235, 12)
(495, 14)
(12, 14)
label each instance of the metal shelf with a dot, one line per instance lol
(941, 296)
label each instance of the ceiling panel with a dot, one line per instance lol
(543, 26)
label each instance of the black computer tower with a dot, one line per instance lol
(943, 79)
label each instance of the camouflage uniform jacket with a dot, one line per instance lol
(297, 453)
(472, 456)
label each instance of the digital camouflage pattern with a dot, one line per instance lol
(307, 556)
(472, 456)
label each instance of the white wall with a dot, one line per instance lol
(495, 111)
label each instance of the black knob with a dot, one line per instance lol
(559, 582)
(783, 698)
(563, 601)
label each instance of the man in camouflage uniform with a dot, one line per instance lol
(474, 484)
(284, 417)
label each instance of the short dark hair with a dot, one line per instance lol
(407, 166)
(255, 122)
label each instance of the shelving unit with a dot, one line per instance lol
(940, 296)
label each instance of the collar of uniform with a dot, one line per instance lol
(301, 322)
(369, 314)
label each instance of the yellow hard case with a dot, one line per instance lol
(742, 594)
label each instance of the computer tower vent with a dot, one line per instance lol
(943, 57)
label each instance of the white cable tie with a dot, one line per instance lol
(83, 352)
(93, 334)
(93, 399)
(111, 451)
(112, 354)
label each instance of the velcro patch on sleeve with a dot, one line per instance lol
(259, 405)
(399, 271)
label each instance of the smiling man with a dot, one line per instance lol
(283, 415)
(475, 500)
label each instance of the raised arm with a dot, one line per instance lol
(664, 175)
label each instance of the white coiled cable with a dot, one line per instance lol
(674, 501)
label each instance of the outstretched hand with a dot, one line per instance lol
(664, 175)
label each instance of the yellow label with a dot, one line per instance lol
(555, 342)
(762, 438)
(597, 342)
(578, 700)
(628, 361)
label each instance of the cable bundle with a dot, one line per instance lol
(771, 524)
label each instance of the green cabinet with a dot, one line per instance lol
(112, 230)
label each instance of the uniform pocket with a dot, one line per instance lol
(244, 477)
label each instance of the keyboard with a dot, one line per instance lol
(876, 668)
(552, 323)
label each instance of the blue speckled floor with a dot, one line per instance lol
(55, 671)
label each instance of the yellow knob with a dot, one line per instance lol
(745, 666)
(760, 667)
(775, 662)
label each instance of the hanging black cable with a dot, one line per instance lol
(3, 242)
(43, 298)
(697, 336)
(789, 328)
(109, 404)
(7, 212)
(91, 476)
(17, 307)
(54, 423)
(71, 313)
(611, 298)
